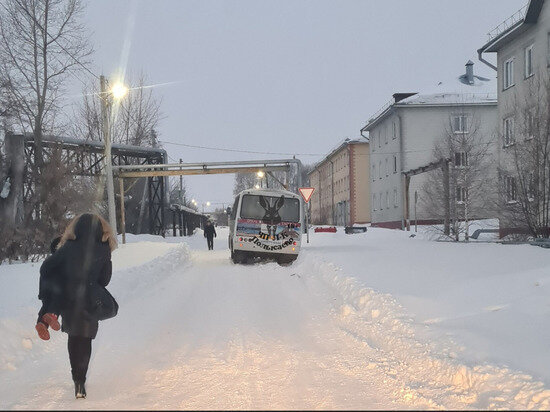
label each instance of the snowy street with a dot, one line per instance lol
(195, 331)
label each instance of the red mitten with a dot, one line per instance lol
(51, 320)
(42, 330)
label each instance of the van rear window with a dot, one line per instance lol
(251, 208)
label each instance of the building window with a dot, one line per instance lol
(529, 61)
(509, 131)
(460, 124)
(394, 164)
(387, 167)
(509, 73)
(394, 130)
(373, 172)
(381, 204)
(380, 169)
(461, 194)
(387, 200)
(374, 201)
(510, 189)
(380, 138)
(386, 134)
(395, 203)
(461, 159)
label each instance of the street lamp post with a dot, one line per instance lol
(118, 91)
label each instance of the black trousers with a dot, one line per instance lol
(80, 350)
(210, 241)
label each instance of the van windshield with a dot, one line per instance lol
(252, 209)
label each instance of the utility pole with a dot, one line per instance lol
(106, 105)
(181, 186)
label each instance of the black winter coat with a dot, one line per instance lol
(209, 231)
(66, 276)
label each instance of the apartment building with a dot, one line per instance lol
(403, 134)
(522, 47)
(341, 182)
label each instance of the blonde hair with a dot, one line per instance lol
(107, 235)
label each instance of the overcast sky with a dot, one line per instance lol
(294, 76)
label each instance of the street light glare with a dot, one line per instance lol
(260, 173)
(119, 90)
(207, 203)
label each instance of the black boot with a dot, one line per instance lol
(79, 390)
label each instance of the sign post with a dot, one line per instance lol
(306, 193)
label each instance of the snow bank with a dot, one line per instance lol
(410, 362)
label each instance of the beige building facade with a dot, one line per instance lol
(341, 182)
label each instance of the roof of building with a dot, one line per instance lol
(344, 143)
(455, 90)
(512, 27)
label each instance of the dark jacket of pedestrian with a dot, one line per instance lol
(209, 230)
(82, 259)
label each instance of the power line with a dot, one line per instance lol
(374, 152)
(238, 150)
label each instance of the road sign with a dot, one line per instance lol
(306, 192)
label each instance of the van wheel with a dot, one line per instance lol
(237, 257)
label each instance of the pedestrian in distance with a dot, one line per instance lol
(210, 234)
(72, 285)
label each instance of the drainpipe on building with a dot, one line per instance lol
(320, 200)
(481, 59)
(350, 221)
(401, 160)
(332, 189)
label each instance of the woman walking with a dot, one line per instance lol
(72, 284)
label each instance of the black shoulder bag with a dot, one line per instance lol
(102, 304)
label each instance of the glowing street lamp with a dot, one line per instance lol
(260, 174)
(119, 90)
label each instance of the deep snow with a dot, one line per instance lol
(368, 321)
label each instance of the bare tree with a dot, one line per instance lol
(135, 122)
(244, 181)
(30, 239)
(41, 43)
(469, 190)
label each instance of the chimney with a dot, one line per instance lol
(470, 72)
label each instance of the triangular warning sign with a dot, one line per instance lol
(306, 192)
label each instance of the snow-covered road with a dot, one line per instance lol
(198, 332)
